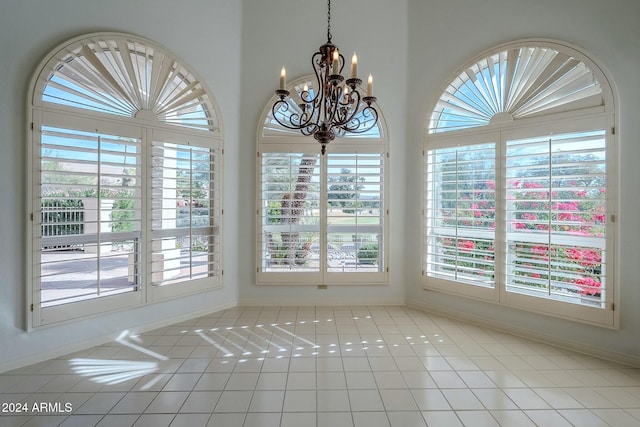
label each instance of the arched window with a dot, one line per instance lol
(125, 148)
(520, 174)
(321, 219)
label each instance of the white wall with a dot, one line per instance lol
(288, 32)
(238, 48)
(442, 39)
(206, 35)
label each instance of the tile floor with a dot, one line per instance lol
(322, 366)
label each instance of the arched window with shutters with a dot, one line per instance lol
(125, 155)
(520, 183)
(321, 219)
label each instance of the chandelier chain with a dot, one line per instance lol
(329, 20)
(331, 107)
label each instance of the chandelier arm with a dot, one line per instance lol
(316, 64)
(369, 114)
(302, 122)
(355, 112)
(335, 94)
(348, 107)
(309, 107)
(318, 98)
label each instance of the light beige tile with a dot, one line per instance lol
(333, 366)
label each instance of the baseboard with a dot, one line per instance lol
(611, 356)
(274, 302)
(96, 341)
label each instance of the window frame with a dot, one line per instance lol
(160, 292)
(599, 316)
(589, 118)
(607, 316)
(441, 284)
(269, 141)
(83, 308)
(144, 127)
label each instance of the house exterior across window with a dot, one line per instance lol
(125, 154)
(321, 219)
(520, 167)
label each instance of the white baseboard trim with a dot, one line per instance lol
(611, 356)
(310, 302)
(96, 341)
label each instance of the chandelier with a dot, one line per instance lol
(333, 108)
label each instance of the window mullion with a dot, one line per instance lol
(145, 248)
(457, 232)
(191, 203)
(324, 241)
(357, 197)
(499, 247)
(99, 218)
(549, 214)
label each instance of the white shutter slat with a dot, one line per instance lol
(90, 215)
(460, 214)
(184, 192)
(517, 82)
(290, 197)
(122, 75)
(556, 215)
(355, 217)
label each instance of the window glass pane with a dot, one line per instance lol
(90, 210)
(556, 216)
(520, 82)
(460, 209)
(290, 212)
(122, 76)
(184, 214)
(355, 215)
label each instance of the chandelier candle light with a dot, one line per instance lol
(335, 107)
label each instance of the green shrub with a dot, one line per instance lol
(368, 253)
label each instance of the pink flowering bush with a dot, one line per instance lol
(588, 285)
(475, 210)
(568, 209)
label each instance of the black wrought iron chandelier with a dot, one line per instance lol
(335, 107)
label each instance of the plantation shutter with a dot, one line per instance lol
(117, 122)
(337, 231)
(290, 214)
(185, 214)
(460, 214)
(547, 233)
(90, 215)
(356, 212)
(513, 84)
(556, 216)
(122, 75)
